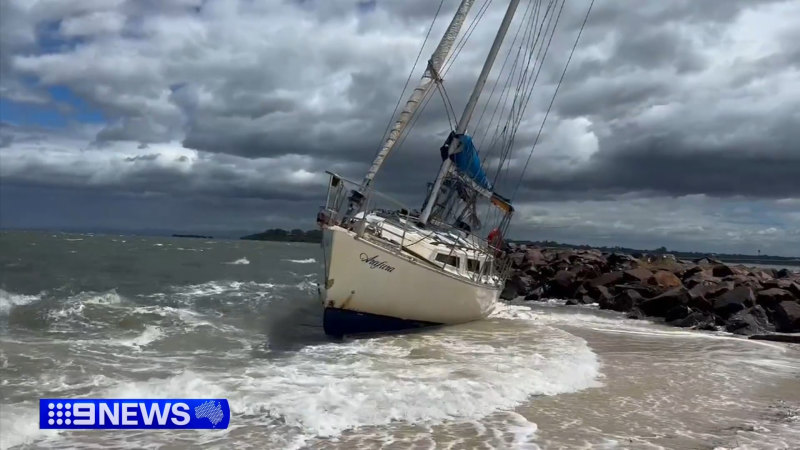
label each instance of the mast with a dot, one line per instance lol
(467, 114)
(430, 76)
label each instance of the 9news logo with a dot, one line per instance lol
(72, 414)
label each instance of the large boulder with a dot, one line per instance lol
(517, 260)
(769, 298)
(659, 305)
(702, 277)
(710, 291)
(787, 316)
(535, 294)
(784, 273)
(624, 301)
(749, 321)
(722, 270)
(517, 285)
(535, 257)
(677, 312)
(794, 288)
(666, 279)
(691, 271)
(733, 301)
(562, 285)
(762, 275)
(586, 271)
(607, 279)
(639, 275)
(646, 290)
(695, 319)
(621, 260)
(599, 294)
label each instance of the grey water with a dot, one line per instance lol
(86, 315)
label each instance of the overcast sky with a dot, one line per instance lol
(677, 124)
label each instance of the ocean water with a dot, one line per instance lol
(126, 316)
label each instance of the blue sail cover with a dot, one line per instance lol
(469, 163)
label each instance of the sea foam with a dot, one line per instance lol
(301, 261)
(8, 300)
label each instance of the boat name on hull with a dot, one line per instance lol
(374, 263)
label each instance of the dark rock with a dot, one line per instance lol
(646, 291)
(639, 275)
(794, 288)
(599, 293)
(750, 321)
(776, 283)
(734, 301)
(586, 272)
(666, 279)
(616, 259)
(517, 259)
(516, 285)
(699, 279)
(787, 316)
(695, 319)
(783, 273)
(778, 337)
(546, 272)
(535, 257)
(624, 301)
(722, 270)
(659, 305)
(571, 302)
(771, 297)
(561, 285)
(635, 313)
(690, 271)
(762, 275)
(609, 278)
(535, 294)
(745, 280)
(710, 291)
(509, 292)
(682, 269)
(677, 312)
(701, 304)
(586, 300)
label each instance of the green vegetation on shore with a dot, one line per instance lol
(281, 235)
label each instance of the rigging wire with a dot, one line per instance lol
(510, 144)
(552, 100)
(410, 74)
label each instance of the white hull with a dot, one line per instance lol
(364, 277)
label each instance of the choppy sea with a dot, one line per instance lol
(148, 317)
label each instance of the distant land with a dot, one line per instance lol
(281, 235)
(298, 235)
(728, 257)
(198, 236)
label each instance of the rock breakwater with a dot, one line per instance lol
(703, 294)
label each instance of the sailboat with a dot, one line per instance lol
(389, 267)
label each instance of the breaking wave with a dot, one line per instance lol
(302, 261)
(239, 261)
(8, 300)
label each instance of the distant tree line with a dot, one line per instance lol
(281, 235)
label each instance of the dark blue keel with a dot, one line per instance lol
(339, 322)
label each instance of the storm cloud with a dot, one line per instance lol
(677, 123)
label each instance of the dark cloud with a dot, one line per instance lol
(246, 104)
